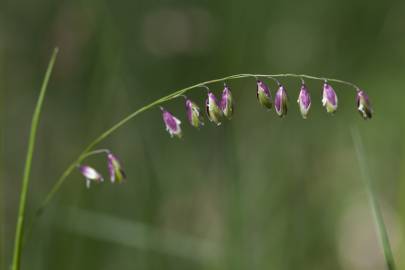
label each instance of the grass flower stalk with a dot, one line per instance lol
(89, 150)
(158, 102)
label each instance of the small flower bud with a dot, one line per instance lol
(226, 102)
(213, 110)
(263, 95)
(194, 114)
(363, 104)
(329, 98)
(304, 101)
(90, 174)
(172, 123)
(115, 169)
(280, 102)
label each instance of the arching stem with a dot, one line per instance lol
(175, 94)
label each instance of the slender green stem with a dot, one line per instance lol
(96, 152)
(175, 94)
(27, 169)
(316, 78)
(378, 218)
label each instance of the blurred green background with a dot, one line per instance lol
(255, 193)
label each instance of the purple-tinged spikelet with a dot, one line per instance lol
(304, 101)
(226, 102)
(329, 98)
(263, 95)
(115, 169)
(194, 114)
(280, 102)
(90, 174)
(172, 123)
(214, 112)
(363, 104)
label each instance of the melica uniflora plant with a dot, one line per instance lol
(216, 110)
(219, 109)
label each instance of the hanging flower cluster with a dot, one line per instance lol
(115, 171)
(217, 110)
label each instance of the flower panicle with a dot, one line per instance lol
(224, 108)
(215, 113)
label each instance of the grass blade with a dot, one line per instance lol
(378, 218)
(27, 168)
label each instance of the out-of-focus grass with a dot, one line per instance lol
(116, 231)
(374, 204)
(401, 207)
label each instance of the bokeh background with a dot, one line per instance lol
(255, 193)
